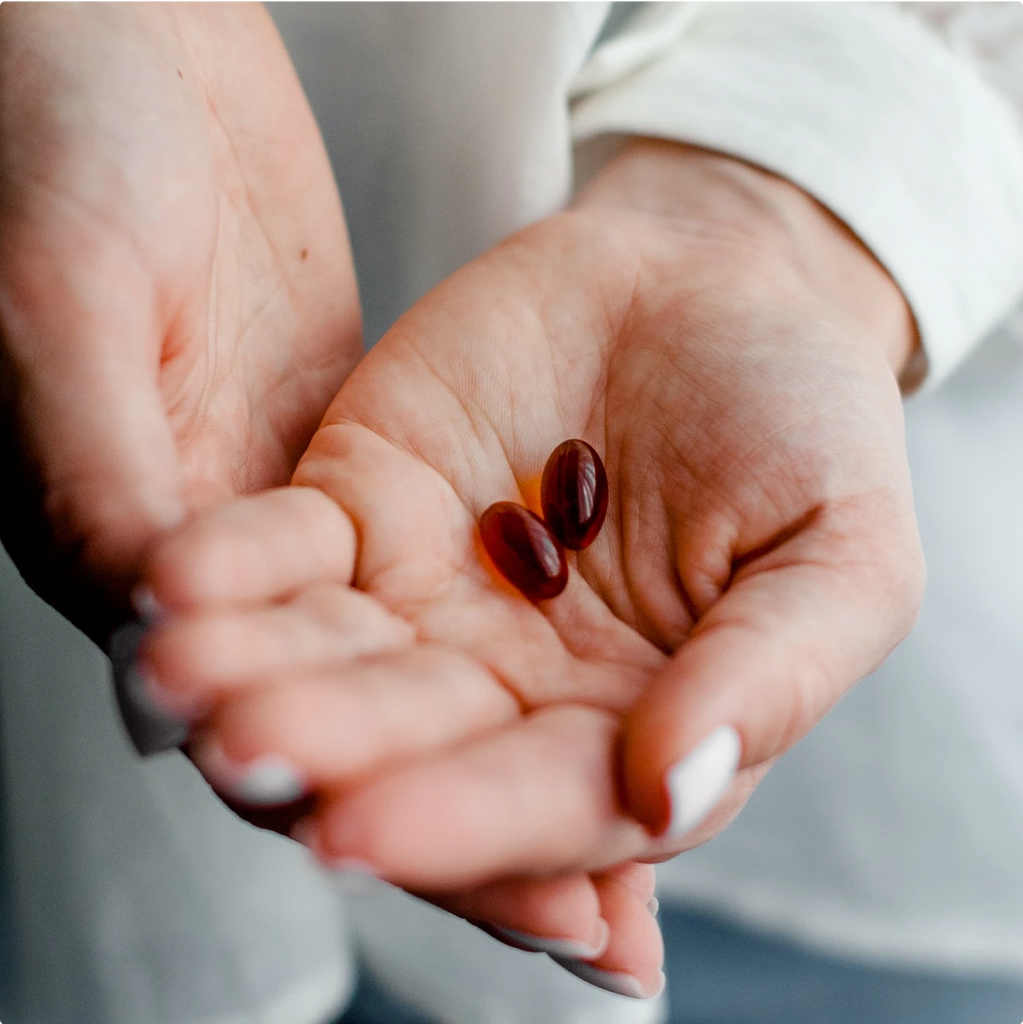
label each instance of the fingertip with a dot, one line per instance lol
(170, 580)
(148, 608)
(632, 963)
(571, 949)
(402, 845)
(267, 780)
(619, 983)
(151, 727)
(696, 782)
(205, 563)
(644, 771)
(671, 788)
(173, 659)
(558, 915)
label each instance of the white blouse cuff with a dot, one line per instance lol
(861, 107)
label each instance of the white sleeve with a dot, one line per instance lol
(863, 107)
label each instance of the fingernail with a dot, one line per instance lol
(618, 982)
(166, 702)
(151, 727)
(146, 605)
(570, 948)
(265, 781)
(654, 905)
(697, 782)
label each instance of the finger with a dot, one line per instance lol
(537, 797)
(415, 535)
(789, 636)
(254, 549)
(195, 660)
(631, 964)
(330, 728)
(560, 915)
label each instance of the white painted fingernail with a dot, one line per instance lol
(618, 982)
(697, 782)
(570, 948)
(147, 687)
(146, 605)
(151, 726)
(263, 782)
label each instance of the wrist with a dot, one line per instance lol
(725, 201)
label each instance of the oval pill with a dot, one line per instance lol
(524, 550)
(573, 494)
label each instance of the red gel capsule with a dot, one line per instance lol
(573, 494)
(527, 553)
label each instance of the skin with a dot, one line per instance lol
(732, 351)
(177, 298)
(178, 307)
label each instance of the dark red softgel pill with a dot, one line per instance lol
(573, 493)
(527, 553)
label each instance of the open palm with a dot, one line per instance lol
(753, 452)
(758, 557)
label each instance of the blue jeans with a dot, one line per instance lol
(722, 974)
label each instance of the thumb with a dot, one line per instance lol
(787, 638)
(89, 463)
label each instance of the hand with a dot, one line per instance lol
(178, 307)
(177, 298)
(732, 352)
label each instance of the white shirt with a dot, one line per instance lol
(894, 829)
